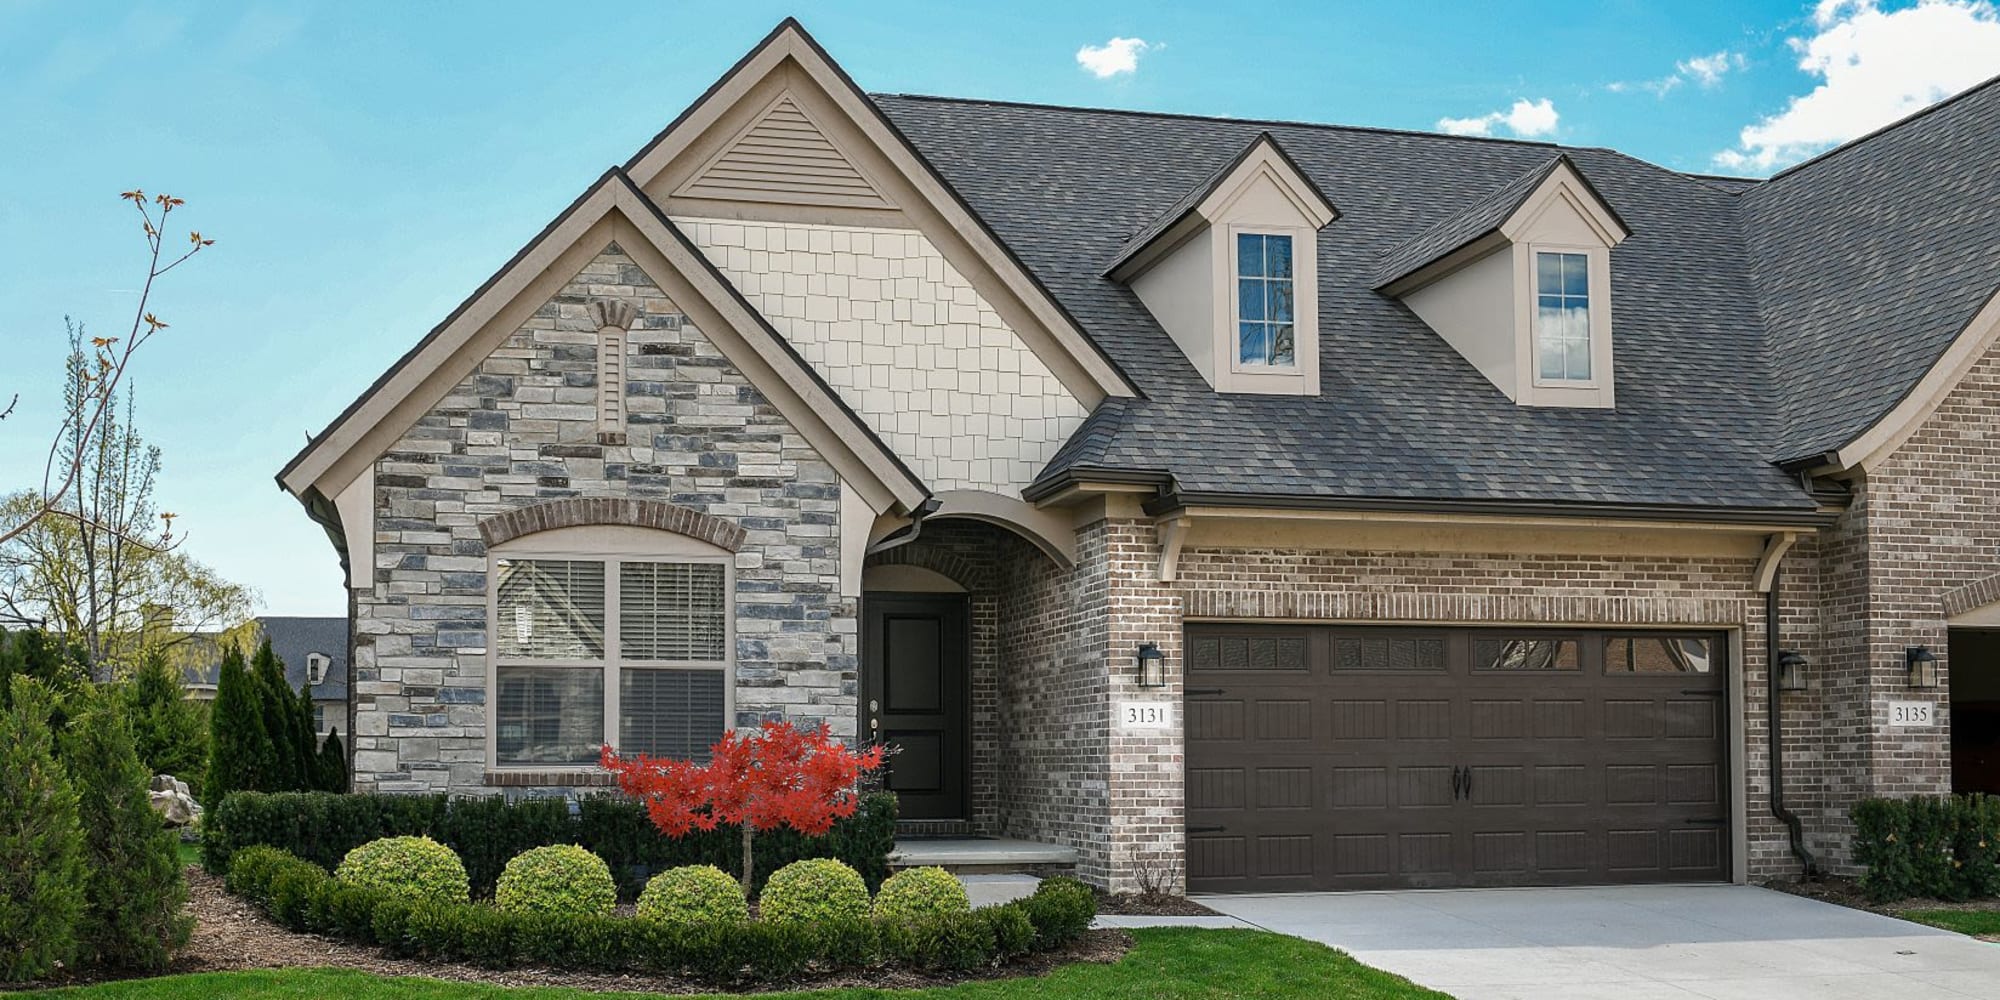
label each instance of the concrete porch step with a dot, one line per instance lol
(983, 855)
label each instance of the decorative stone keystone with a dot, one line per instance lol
(613, 314)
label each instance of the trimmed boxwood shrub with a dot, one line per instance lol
(920, 893)
(486, 832)
(694, 894)
(305, 897)
(560, 879)
(813, 891)
(414, 868)
(1943, 847)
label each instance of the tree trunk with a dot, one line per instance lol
(747, 834)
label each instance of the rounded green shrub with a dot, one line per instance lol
(921, 893)
(417, 869)
(813, 890)
(559, 880)
(693, 894)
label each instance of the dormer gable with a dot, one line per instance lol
(1231, 270)
(1519, 283)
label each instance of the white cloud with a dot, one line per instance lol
(1874, 67)
(1710, 69)
(1119, 55)
(1526, 118)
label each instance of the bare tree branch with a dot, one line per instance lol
(95, 379)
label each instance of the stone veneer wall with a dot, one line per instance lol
(908, 343)
(521, 430)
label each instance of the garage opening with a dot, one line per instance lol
(1337, 757)
(1974, 662)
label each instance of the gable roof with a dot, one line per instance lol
(1056, 336)
(1484, 217)
(1188, 204)
(612, 209)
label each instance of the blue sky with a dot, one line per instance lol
(365, 165)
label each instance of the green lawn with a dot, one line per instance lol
(1164, 964)
(1962, 921)
(190, 853)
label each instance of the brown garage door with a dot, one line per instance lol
(1367, 758)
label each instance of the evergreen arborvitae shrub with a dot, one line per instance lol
(168, 731)
(239, 749)
(133, 889)
(332, 764)
(41, 844)
(813, 891)
(280, 707)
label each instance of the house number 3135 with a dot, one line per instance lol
(1911, 713)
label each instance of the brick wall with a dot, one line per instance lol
(909, 344)
(521, 430)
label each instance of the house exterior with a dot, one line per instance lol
(313, 650)
(1265, 505)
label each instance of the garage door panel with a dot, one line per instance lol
(1304, 774)
(1360, 720)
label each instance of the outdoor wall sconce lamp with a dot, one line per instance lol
(1152, 666)
(1791, 670)
(1922, 664)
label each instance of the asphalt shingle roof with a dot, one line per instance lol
(1470, 223)
(1400, 414)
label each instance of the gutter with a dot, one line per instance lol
(908, 533)
(1761, 516)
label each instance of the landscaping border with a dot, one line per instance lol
(303, 897)
(321, 827)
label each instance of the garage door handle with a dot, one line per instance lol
(1703, 692)
(1196, 691)
(1206, 829)
(1706, 822)
(1458, 776)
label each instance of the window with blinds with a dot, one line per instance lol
(633, 652)
(550, 609)
(672, 612)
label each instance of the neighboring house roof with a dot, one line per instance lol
(1401, 416)
(293, 639)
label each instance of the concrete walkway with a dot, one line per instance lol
(1634, 943)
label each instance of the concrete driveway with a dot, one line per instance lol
(1637, 943)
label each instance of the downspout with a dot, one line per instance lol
(1793, 827)
(908, 533)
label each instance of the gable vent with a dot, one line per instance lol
(784, 157)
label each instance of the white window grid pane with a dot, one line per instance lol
(548, 715)
(550, 609)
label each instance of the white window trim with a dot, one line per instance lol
(612, 662)
(1535, 252)
(1236, 366)
(1598, 390)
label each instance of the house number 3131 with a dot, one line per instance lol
(1145, 715)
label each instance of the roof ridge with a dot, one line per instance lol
(1878, 132)
(1187, 116)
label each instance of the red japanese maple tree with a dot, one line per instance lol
(779, 775)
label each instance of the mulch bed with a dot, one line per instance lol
(232, 934)
(1847, 892)
(1150, 904)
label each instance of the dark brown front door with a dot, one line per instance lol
(1365, 758)
(914, 698)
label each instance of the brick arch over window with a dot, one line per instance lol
(724, 534)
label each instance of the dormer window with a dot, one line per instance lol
(1562, 316)
(1229, 271)
(1264, 301)
(1519, 283)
